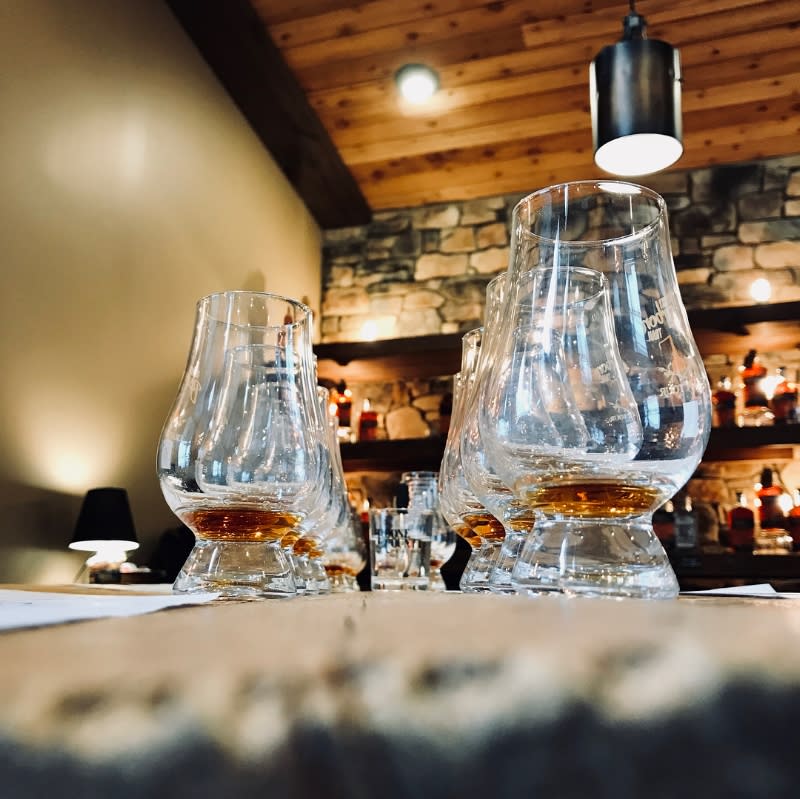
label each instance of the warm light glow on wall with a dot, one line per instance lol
(68, 446)
(378, 328)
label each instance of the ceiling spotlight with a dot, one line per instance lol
(416, 82)
(635, 97)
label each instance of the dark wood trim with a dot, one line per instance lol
(395, 455)
(770, 327)
(774, 443)
(236, 45)
(742, 565)
(390, 359)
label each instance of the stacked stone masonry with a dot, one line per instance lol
(421, 271)
(424, 270)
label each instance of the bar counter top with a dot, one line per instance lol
(409, 695)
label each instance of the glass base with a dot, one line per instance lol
(342, 583)
(500, 575)
(475, 579)
(595, 557)
(436, 582)
(237, 570)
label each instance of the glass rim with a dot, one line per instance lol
(637, 188)
(306, 313)
(587, 271)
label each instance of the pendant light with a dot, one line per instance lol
(635, 96)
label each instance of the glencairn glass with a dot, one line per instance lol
(597, 409)
(345, 555)
(223, 321)
(258, 471)
(515, 516)
(423, 498)
(459, 505)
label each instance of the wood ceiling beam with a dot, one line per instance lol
(724, 144)
(234, 43)
(375, 101)
(457, 67)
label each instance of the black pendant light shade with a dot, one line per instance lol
(635, 94)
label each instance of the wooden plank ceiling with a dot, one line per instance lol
(513, 113)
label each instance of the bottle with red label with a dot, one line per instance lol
(367, 423)
(741, 525)
(784, 399)
(755, 406)
(344, 407)
(724, 402)
(770, 515)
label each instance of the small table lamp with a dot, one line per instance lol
(105, 527)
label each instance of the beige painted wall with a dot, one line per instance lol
(130, 186)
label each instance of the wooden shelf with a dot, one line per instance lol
(732, 330)
(396, 455)
(774, 443)
(770, 327)
(729, 444)
(390, 359)
(736, 565)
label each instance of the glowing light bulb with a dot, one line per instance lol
(417, 83)
(761, 289)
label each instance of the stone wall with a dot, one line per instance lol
(424, 270)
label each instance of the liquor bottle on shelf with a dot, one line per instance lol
(784, 399)
(685, 524)
(367, 423)
(755, 406)
(741, 525)
(724, 402)
(344, 408)
(793, 521)
(771, 536)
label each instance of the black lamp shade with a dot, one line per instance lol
(105, 516)
(635, 94)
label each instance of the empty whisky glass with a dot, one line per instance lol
(598, 407)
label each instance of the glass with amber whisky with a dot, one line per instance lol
(597, 408)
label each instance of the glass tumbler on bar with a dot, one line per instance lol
(598, 407)
(400, 549)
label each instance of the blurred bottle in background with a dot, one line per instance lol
(784, 399)
(755, 406)
(771, 536)
(741, 525)
(724, 403)
(685, 523)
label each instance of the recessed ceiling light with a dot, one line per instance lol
(416, 82)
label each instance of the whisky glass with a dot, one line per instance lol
(459, 505)
(423, 497)
(597, 408)
(515, 517)
(258, 468)
(344, 555)
(223, 322)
